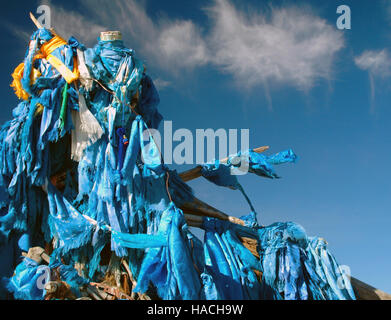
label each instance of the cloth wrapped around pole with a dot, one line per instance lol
(299, 268)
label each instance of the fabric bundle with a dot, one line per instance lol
(170, 268)
(299, 268)
(230, 264)
(29, 281)
(260, 164)
(224, 174)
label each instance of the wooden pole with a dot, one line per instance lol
(200, 208)
(366, 292)
(35, 21)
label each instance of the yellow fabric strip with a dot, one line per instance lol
(16, 83)
(46, 50)
(67, 74)
(48, 47)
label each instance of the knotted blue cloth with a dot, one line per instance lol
(29, 281)
(170, 269)
(260, 164)
(300, 268)
(229, 263)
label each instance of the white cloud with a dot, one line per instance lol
(161, 84)
(182, 45)
(378, 65)
(72, 23)
(163, 43)
(171, 46)
(291, 46)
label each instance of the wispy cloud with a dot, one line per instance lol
(289, 46)
(387, 9)
(161, 84)
(72, 23)
(182, 45)
(378, 65)
(169, 45)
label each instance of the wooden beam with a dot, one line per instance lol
(366, 292)
(200, 208)
(194, 221)
(191, 174)
(37, 254)
(196, 172)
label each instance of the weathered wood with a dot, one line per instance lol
(131, 278)
(95, 293)
(196, 172)
(141, 296)
(191, 174)
(35, 21)
(58, 290)
(38, 255)
(194, 221)
(200, 208)
(251, 245)
(366, 292)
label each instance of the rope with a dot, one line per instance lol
(103, 87)
(246, 197)
(167, 187)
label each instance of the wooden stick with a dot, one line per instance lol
(35, 21)
(200, 208)
(131, 278)
(196, 172)
(194, 221)
(142, 296)
(37, 254)
(39, 26)
(191, 174)
(251, 245)
(95, 293)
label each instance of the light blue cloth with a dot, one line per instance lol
(29, 281)
(170, 269)
(229, 263)
(300, 268)
(260, 164)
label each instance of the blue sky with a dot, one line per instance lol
(281, 69)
